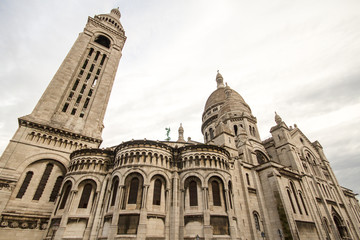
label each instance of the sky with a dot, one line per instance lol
(299, 58)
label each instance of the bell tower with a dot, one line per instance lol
(68, 116)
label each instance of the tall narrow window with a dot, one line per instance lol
(211, 131)
(56, 189)
(66, 105)
(43, 181)
(291, 201)
(76, 84)
(247, 179)
(296, 199)
(85, 196)
(91, 51)
(114, 191)
(133, 192)
(103, 60)
(235, 130)
(193, 193)
(65, 196)
(25, 184)
(256, 220)
(157, 192)
(85, 63)
(303, 203)
(206, 137)
(216, 193)
(86, 103)
(97, 56)
(94, 82)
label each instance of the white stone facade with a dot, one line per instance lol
(57, 184)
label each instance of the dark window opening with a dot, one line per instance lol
(260, 157)
(81, 72)
(103, 60)
(211, 131)
(133, 193)
(83, 88)
(97, 56)
(193, 193)
(85, 196)
(92, 68)
(102, 40)
(157, 192)
(98, 71)
(303, 203)
(73, 111)
(85, 64)
(236, 130)
(296, 199)
(56, 189)
(70, 96)
(78, 99)
(247, 179)
(114, 191)
(128, 224)
(76, 84)
(220, 225)
(40, 189)
(257, 222)
(66, 105)
(216, 193)
(90, 92)
(25, 184)
(81, 115)
(65, 196)
(86, 103)
(88, 76)
(91, 51)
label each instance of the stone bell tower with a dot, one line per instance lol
(68, 116)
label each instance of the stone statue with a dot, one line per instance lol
(167, 134)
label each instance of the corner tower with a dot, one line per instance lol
(68, 116)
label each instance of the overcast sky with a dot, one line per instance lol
(300, 58)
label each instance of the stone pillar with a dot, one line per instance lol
(207, 227)
(92, 216)
(141, 233)
(62, 226)
(115, 217)
(167, 210)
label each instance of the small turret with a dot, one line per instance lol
(181, 134)
(219, 80)
(278, 119)
(115, 13)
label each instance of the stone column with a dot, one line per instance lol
(141, 233)
(62, 226)
(167, 210)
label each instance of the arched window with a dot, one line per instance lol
(257, 222)
(260, 157)
(43, 181)
(56, 189)
(206, 137)
(211, 131)
(157, 192)
(303, 203)
(339, 226)
(25, 184)
(102, 40)
(134, 186)
(291, 201)
(115, 186)
(247, 179)
(65, 195)
(235, 130)
(230, 194)
(216, 193)
(193, 193)
(85, 196)
(296, 199)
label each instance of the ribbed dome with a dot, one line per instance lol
(219, 96)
